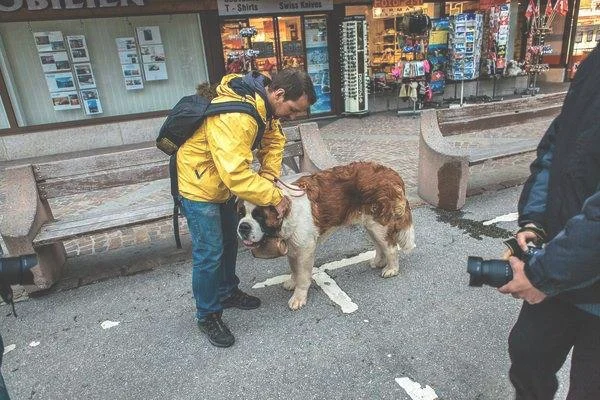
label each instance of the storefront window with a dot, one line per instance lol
(290, 40)
(587, 34)
(317, 59)
(278, 43)
(264, 43)
(102, 67)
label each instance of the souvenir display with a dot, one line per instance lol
(354, 65)
(437, 54)
(497, 39)
(464, 45)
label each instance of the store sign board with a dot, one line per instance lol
(244, 7)
(389, 12)
(485, 5)
(38, 5)
(396, 3)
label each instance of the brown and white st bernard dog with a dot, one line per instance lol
(363, 193)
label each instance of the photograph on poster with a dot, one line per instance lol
(134, 83)
(130, 70)
(153, 53)
(49, 41)
(83, 69)
(128, 57)
(148, 35)
(65, 100)
(89, 94)
(155, 71)
(55, 62)
(86, 81)
(125, 43)
(92, 106)
(60, 82)
(79, 55)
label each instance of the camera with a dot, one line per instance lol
(15, 271)
(496, 273)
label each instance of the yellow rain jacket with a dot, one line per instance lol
(216, 161)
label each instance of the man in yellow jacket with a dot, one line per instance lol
(214, 165)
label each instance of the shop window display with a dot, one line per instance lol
(281, 42)
(317, 61)
(86, 70)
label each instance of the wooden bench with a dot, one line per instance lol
(28, 224)
(444, 169)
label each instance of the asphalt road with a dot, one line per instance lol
(426, 324)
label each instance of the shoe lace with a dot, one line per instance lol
(217, 325)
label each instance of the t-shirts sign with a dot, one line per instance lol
(241, 7)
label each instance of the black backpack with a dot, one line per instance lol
(181, 123)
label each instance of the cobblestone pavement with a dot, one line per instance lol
(383, 137)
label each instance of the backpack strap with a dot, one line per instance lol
(176, 200)
(241, 107)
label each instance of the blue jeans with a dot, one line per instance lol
(212, 229)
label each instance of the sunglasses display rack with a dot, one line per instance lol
(354, 62)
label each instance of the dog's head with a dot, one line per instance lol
(256, 223)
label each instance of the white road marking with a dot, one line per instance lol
(334, 292)
(34, 344)
(9, 348)
(109, 324)
(503, 218)
(276, 280)
(325, 282)
(344, 262)
(415, 391)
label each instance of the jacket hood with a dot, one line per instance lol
(250, 87)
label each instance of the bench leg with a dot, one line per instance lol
(52, 258)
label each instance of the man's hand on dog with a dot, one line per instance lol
(283, 207)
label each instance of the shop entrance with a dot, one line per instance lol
(279, 42)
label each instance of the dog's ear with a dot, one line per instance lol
(240, 209)
(285, 211)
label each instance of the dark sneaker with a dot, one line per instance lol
(241, 300)
(216, 331)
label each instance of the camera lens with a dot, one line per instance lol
(494, 273)
(17, 270)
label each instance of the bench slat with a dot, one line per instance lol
(103, 180)
(98, 162)
(63, 230)
(478, 156)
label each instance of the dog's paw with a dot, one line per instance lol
(290, 284)
(296, 302)
(389, 272)
(377, 262)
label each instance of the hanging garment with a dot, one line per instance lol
(413, 93)
(404, 88)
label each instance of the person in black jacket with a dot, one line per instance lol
(560, 205)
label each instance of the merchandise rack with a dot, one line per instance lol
(354, 55)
